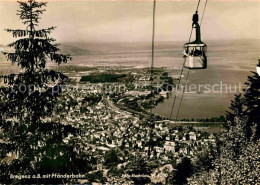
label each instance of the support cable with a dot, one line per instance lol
(189, 69)
(198, 5)
(177, 87)
(151, 78)
(203, 12)
(152, 64)
(186, 81)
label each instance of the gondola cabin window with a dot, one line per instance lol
(195, 56)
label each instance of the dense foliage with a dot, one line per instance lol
(102, 78)
(31, 142)
(238, 151)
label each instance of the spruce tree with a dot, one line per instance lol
(252, 103)
(237, 111)
(27, 100)
(247, 107)
(238, 151)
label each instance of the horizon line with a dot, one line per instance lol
(107, 42)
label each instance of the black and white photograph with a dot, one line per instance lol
(158, 92)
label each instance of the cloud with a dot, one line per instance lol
(131, 21)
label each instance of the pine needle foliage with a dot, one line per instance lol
(31, 142)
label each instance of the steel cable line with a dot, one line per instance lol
(152, 64)
(203, 12)
(177, 87)
(182, 94)
(188, 69)
(151, 78)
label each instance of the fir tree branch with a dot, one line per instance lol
(18, 32)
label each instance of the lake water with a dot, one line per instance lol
(229, 63)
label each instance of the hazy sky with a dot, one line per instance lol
(120, 21)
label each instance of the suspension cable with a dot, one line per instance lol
(203, 12)
(198, 5)
(182, 94)
(151, 78)
(188, 72)
(152, 64)
(177, 87)
(179, 81)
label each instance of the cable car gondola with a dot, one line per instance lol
(194, 53)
